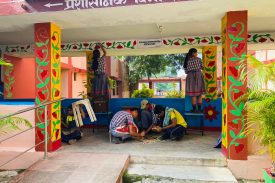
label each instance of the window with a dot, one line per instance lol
(75, 76)
(115, 90)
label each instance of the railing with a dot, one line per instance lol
(46, 138)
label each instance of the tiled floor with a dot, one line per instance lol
(94, 159)
(192, 145)
(76, 168)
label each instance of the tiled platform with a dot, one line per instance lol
(76, 168)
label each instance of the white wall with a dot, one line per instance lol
(79, 62)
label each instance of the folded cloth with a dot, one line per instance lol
(167, 117)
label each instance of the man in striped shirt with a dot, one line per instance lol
(122, 126)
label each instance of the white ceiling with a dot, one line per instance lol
(199, 17)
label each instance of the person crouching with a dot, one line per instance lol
(174, 125)
(122, 126)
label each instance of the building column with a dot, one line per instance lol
(234, 49)
(90, 74)
(47, 83)
(210, 71)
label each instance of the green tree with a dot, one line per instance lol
(152, 65)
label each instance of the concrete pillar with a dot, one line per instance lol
(47, 83)
(234, 49)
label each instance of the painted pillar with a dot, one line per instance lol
(210, 71)
(234, 49)
(48, 77)
(9, 81)
(90, 74)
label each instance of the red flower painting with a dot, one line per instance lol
(85, 44)
(212, 89)
(237, 95)
(119, 47)
(53, 38)
(54, 72)
(240, 47)
(191, 40)
(40, 53)
(109, 44)
(54, 115)
(211, 64)
(207, 52)
(239, 148)
(41, 95)
(204, 41)
(210, 113)
(208, 76)
(232, 29)
(176, 43)
(57, 92)
(262, 40)
(217, 38)
(234, 71)
(44, 73)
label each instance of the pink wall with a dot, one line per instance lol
(23, 141)
(24, 72)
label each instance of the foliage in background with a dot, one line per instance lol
(174, 93)
(260, 102)
(259, 73)
(153, 66)
(11, 124)
(112, 83)
(145, 92)
(83, 94)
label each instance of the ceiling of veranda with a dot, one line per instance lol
(199, 17)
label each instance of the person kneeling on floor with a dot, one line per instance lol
(174, 125)
(122, 126)
(70, 133)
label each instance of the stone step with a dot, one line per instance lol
(145, 173)
(176, 160)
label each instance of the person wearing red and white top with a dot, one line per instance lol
(122, 126)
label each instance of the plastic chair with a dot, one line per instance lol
(77, 113)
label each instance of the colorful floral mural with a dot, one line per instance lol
(210, 112)
(42, 60)
(253, 38)
(224, 88)
(210, 71)
(55, 82)
(47, 57)
(9, 81)
(235, 50)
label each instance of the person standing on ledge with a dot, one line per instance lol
(101, 81)
(195, 86)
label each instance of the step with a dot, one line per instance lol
(176, 160)
(145, 173)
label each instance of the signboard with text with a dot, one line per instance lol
(32, 6)
(152, 43)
